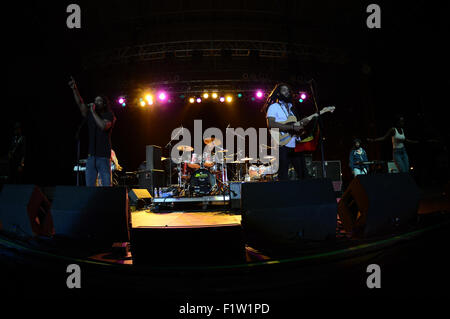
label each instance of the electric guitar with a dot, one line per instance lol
(284, 138)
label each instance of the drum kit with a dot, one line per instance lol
(208, 173)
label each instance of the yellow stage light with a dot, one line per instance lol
(205, 95)
(229, 99)
(149, 98)
(214, 95)
(191, 100)
(142, 103)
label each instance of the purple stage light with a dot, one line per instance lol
(162, 96)
(259, 94)
(303, 96)
(121, 100)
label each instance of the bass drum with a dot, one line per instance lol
(202, 182)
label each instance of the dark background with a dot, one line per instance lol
(400, 68)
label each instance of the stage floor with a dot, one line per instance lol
(147, 218)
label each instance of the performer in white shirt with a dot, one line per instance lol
(278, 108)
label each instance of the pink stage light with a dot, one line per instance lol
(259, 94)
(121, 100)
(222, 99)
(162, 96)
(199, 100)
(303, 96)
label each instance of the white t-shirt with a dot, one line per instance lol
(281, 111)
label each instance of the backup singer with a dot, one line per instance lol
(398, 137)
(100, 121)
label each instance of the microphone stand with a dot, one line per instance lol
(168, 145)
(77, 137)
(319, 121)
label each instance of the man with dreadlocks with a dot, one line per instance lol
(100, 120)
(278, 108)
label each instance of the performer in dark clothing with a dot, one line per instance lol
(100, 120)
(357, 156)
(16, 156)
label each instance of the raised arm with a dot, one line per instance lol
(388, 134)
(78, 98)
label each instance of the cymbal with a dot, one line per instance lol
(185, 148)
(163, 158)
(247, 159)
(269, 157)
(235, 162)
(212, 140)
(222, 151)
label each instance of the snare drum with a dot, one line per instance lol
(208, 160)
(195, 161)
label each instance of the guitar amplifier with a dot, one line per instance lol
(150, 179)
(235, 194)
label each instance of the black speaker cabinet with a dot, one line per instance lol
(91, 213)
(289, 211)
(379, 204)
(150, 179)
(25, 211)
(153, 157)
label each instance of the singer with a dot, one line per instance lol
(100, 120)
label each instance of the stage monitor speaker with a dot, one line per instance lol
(25, 211)
(139, 197)
(379, 204)
(188, 245)
(153, 157)
(289, 212)
(96, 214)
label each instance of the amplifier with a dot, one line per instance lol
(235, 194)
(150, 179)
(333, 171)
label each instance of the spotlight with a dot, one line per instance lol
(229, 99)
(162, 96)
(222, 99)
(300, 100)
(239, 95)
(149, 98)
(214, 95)
(259, 94)
(191, 100)
(121, 100)
(142, 103)
(124, 104)
(205, 95)
(199, 100)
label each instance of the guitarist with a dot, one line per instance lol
(278, 108)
